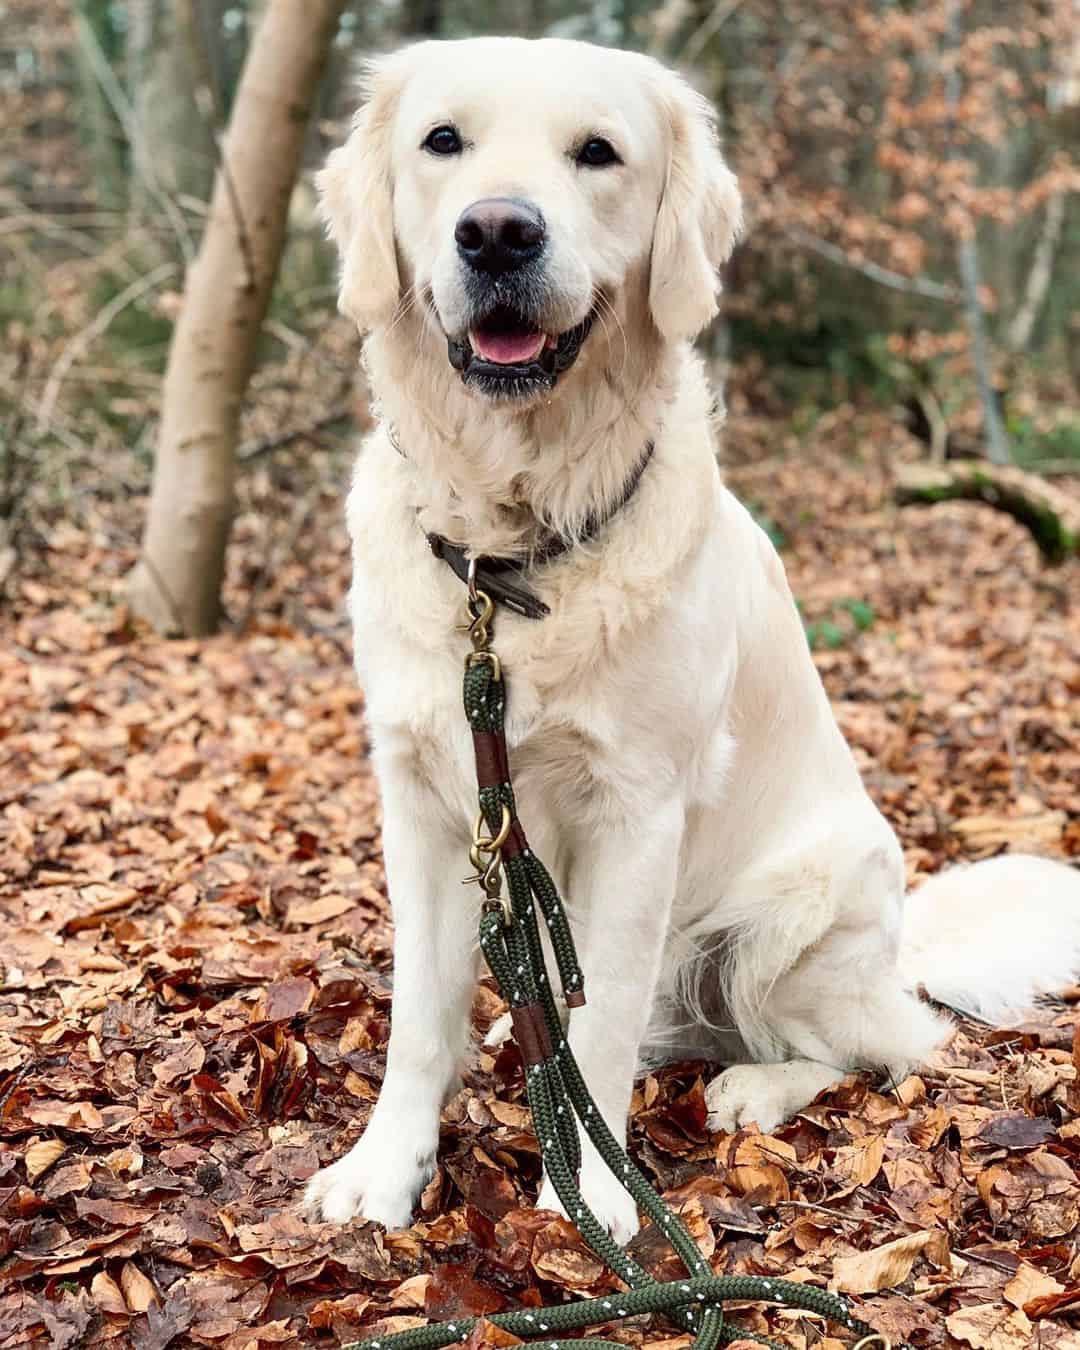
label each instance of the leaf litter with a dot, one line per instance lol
(196, 946)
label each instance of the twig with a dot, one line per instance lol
(264, 444)
(986, 1260)
(834, 1214)
(31, 220)
(79, 343)
(133, 375)
(933, 290)
(300, 342)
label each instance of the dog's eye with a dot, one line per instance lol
(596, 153)
(443, 140)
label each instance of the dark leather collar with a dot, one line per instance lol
(503, 579)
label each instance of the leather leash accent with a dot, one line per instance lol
(493, 575)
(531, 1034)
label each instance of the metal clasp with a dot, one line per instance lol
(489, 870)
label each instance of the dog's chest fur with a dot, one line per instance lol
(612, 699)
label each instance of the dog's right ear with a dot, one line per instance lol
(356, 201)
(699, 217)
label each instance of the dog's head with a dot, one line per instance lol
(514, 191)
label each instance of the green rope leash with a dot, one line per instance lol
(558, 1097)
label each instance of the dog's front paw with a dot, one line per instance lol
(377, 1179)
(613, 1207)
(765, 1094)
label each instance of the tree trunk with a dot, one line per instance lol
(967, 252)
(176, 586)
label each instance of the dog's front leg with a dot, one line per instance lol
(435, 965)
(623, 888)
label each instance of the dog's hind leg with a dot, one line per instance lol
(811, 1016)
(435, 967)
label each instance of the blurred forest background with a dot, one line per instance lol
(913, 250)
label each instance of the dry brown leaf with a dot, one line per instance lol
(991, 1326)
(411, 1293)
(80, 1116)
(318, 911)
(138, 1291)
(41, 1154)
(887, 1266)
(857, 1164)
(761, 1185)
(1029, 1283)
(486, 1334)
(106, 1294)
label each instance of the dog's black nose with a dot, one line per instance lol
(498, 234)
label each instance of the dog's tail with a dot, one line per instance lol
(989, 938)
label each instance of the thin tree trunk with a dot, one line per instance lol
(176, 586)
(97, 122)
(1063, 95)
(175, 145)
(967, 253)
(1040, 276)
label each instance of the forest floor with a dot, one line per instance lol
(196, 952)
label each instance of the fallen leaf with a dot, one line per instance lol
(1013, 1130)
(887, 1266)
(486, 1333)
(138, 1292)
(106, 1294)
(41, 1154)
(1029, 1283)
(857, 1164)
(991, 1326)
(318, 911)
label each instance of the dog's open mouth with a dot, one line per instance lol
(507, 356)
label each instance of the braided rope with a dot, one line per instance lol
(560, 1101)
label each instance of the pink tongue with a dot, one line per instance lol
(507, 349)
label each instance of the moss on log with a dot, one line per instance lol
(1051, 515)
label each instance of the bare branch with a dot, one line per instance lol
(884, 276)
(707, 29)
(253, 449)
(79, 343)
(1042, 268)
(125, 115)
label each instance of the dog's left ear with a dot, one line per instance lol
(699, 217)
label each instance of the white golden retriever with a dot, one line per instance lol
(530, 234)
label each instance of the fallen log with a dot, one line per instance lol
(1051, 515)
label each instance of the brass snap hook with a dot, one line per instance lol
(489, 873)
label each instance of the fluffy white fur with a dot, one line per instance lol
(731, 884)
